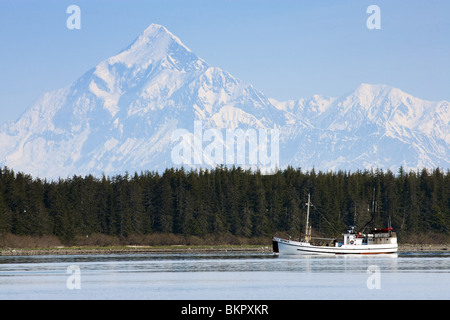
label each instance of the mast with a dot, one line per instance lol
(374, 209)
(308, 228)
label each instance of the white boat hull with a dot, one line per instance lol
(283, 246)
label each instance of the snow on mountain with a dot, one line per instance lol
(375, 126)
(123, 114)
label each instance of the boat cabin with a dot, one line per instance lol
(377, 236)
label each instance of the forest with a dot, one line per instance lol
(224, 203)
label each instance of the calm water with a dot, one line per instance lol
(218, 276)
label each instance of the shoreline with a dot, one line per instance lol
(181, 249)
(423, 247)
(133, 249)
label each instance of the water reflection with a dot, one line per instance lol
(225, 276)
(226, 262)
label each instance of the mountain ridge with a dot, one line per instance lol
(121, 116)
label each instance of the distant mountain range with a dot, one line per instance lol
(144, 108)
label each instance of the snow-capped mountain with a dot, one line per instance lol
(376, 126)
(136, 110)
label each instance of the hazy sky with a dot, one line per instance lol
(286, 49)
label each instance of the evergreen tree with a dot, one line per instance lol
(163, 204)
(5, 219)
(225, 201)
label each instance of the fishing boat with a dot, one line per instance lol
(377, 241)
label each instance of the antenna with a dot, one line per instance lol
(374, 203)
(374, 209)
(308, 228)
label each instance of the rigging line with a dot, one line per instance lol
(331, 225)
(373, 211)
(323, 216)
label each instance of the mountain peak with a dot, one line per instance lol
(155, 31)
(366, 89)
(154, 27)
(380, 90)
(153, 44)
(375, 96)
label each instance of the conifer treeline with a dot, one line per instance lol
(224, 201)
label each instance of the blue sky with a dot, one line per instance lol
(286, 49)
